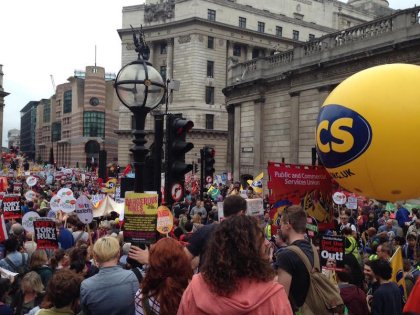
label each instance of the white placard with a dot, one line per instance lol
(28, 221)
(255, 207)
(64, 192)
(67, 204)
(31, 181)
(55, 203)
(220, 212)
(30, 195)
(351, 203)
(339, 198)
(84, 209)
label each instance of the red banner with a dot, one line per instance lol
(309, 186)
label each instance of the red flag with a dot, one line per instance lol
(127, 170)
(3, 232)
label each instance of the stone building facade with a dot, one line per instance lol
(79, 120)
(197, 42)
(273, 102)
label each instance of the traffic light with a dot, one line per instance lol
(208, 160)
(176, 148)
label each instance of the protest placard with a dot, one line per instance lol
(67, 203)
(28, 221)
(45, 233)
(255, 207)
(220, 212)
(84, 209)
(165, 220)
(332, 247)
(30, 195)
(31, 181)
(140, 218)
(11, 207)
(55, 203)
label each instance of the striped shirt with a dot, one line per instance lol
(154, 304)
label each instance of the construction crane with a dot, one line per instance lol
(52, 82)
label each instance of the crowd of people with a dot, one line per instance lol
(239, 265)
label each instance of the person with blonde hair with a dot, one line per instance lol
(39, 264)
(111, 291)
(30, 294)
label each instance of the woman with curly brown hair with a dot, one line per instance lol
(62, 294)
(236, 276)
(166, 279)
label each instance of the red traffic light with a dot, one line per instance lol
(181, 125)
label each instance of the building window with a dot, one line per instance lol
(261, 27)
(210, 69)
(237, 50)
(255, 53)
(211, 15)
(311, 37)
(279, 31)
(163, 73)
(163, 47)
(242, 22)
(210, 42)
(56, 131)
(94, 124)
(67, 102)
(209, 95)
(47, 112)
(295, 35)
(209, 121)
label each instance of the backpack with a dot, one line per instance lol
(323, 296)
(22, 269)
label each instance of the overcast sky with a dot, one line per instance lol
(54, 37)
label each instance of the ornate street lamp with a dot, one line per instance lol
(140, 88)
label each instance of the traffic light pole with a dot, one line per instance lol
(138, 149)
(202, 174)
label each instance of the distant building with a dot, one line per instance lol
(13, 138)
(79, 120)
(197, 42)
(3, 94)
(27, 125)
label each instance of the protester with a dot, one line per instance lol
(4, 289)
(112, 290)
(30, 294)
(166, 279)
(354, 297)
(387, 299)
(38, 263)
(291, 270)
(13, 259)
(62, 294)
(236, 273)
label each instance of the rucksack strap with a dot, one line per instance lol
(79, 237)
(298, 251)
(9, 262)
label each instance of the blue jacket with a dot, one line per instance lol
(111, 291)
(402, 216)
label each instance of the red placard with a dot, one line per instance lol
(45, 233)
(11, 207)
(309, 186)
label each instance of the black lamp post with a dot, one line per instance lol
(140, 88)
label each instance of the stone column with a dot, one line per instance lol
(294, 128)
(152, 52)
(237, 142)
(249, 50)
(169, 58)
(258, 136)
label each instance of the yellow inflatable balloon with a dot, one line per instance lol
(368, 132)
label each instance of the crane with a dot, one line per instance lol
(52, 82)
